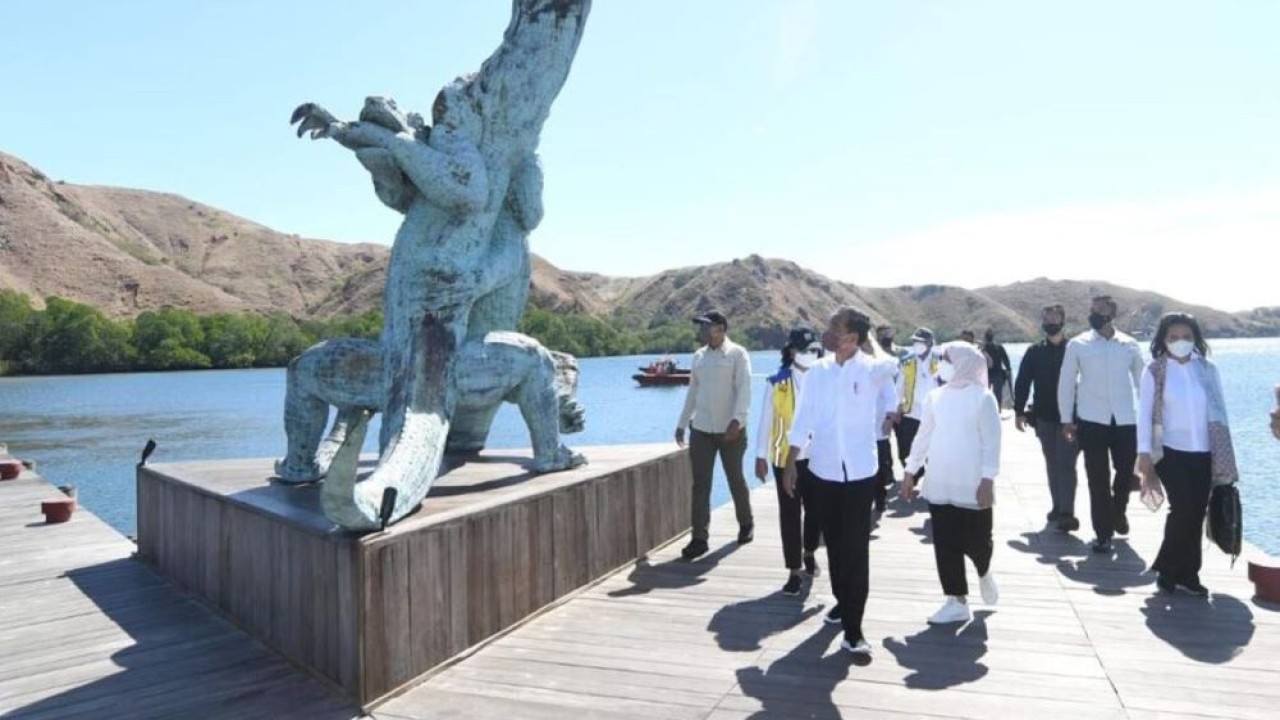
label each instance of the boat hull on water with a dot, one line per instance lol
(661, 379)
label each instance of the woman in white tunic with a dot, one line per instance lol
(960, 440)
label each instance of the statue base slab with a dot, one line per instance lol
(491, 545)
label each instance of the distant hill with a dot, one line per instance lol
(128, 251)
(1139, 310)
(764, 297)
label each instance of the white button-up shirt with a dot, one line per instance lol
(840, 414)
(888, 400)
(1186, 409)
(1100, 378)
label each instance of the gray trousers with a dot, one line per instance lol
(1060, 458)
(703, 448)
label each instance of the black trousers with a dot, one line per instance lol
(905, 431)
(1108, 447)
(844, 509)
(797, 532)
(959, 533)
(1187, 478)
(997, 380)
(885, 478)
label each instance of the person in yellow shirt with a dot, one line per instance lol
(916, 378)
(800, 530)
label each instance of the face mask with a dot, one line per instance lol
(919, 348)
(1098, 321)
(887, 344)
(1051, 329)
(805, 360)
(1181, 348)
(946, 371)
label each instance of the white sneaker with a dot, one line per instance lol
(952, 611)
(859, 648)
(987, 584)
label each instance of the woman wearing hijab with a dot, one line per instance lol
(1191, 412)
(781, 395)
(960, 440)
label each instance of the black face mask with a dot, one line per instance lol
(1098, 321)
(1051, 329)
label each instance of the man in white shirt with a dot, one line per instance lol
(1097, 398)
(715, 409)
(889, 409)
(839, 417)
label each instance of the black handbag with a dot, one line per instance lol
(1225, 520)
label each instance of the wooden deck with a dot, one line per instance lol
(87, 632)
(1075, 635)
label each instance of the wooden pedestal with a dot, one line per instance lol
(372, 613)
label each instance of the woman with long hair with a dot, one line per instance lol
(800, 530)
(1180, 409)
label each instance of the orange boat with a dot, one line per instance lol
(662, 373)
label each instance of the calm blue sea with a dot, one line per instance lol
(88, 430)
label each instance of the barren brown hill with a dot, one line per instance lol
(764, 297)
(127, 251)
(1139, 310)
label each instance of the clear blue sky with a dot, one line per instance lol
(884, 143)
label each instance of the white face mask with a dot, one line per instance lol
(805, 360)
(946, 371)
(919, 348)
(1181, 348)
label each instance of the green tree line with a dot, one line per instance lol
(71, 337)
(590, 336)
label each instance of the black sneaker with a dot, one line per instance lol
(1102, 547)
(695, 549)
(835, 616)
(746, 534)
(1068, 524)
(1193, 587)
(792, 588)
(1122, 523)
(811, 566)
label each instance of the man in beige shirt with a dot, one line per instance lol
(715, 411)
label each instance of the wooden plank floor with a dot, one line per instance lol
(1075, 635)
(88, 632)
(85, 631)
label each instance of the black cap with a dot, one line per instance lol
(924, 335)
(713, 317)
(802, 338)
